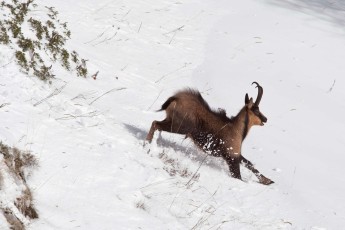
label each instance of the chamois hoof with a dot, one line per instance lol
(265, 181)
(148, 139)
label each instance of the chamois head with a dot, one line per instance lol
(255, 116)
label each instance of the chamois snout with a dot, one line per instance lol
(262, 117)
(263, 120)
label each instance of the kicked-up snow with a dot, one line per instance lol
(88, 134)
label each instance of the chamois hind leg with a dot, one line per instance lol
(164, 125)
(262, 179)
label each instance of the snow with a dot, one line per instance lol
(95, 172)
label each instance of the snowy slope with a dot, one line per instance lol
(94, 171)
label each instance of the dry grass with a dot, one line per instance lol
(173, 167)
(17, 161)
(141, 205)
(25, 204)
(1, 180)
(18, 164)
(13, 221)
(29, 160)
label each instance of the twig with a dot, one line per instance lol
(71, 116)
(155, 183)
(44, 182)
(6, 64)
(126, 14)
(100, 35)
(197, 170)
(175, 30)
(330, 89)
(54, 93)
(4, 104)
(204, 202)
(140, 26)
(219, 224)
(11, 60)
(112, 36)
(155, 100)
(172, 72)
(286, 222)
(112, 90)
(105, 39)
(95, 75)
(172, 38)
(203, 219)
(86, 95)
(188, 183)
(125, 67)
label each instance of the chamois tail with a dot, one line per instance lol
(167, 103)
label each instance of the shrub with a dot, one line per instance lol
(37, 41)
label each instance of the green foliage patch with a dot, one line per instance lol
(37, 40)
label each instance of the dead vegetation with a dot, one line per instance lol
(24, 204)
(173, 167)
(16, 166)
(1, 180)
(13, 220)
(18, 161)
(141, 205)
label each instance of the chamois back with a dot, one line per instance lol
(192, 99)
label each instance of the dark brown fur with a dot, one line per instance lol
(211, 130)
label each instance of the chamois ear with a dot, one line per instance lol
(249, 102)
(246, 100)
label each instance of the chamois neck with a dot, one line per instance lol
(241, 123)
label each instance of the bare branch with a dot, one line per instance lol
(4, 104)
(330, 89)
(140, 26)
(155, 100)
(112, 90)
(54, 93)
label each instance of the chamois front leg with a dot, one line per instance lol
(234, 167)
(151, 132)
(164, 125)
(262, 179)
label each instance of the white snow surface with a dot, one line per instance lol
(88, 136)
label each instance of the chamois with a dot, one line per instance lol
(211, 130)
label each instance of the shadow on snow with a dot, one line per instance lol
(189, 150)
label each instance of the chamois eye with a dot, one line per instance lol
(256, 111)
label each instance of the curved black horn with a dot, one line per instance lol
(260, 92)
